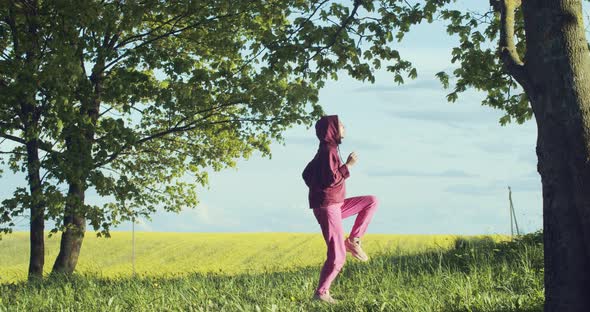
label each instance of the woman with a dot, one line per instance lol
(325, 176)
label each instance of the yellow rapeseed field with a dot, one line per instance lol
(167, 253)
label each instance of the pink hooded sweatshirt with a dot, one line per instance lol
(325, 174)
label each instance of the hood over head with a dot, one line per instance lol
(327, 131)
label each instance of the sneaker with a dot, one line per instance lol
(353, 245)
(325, 297)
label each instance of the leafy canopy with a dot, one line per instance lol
(136, 98)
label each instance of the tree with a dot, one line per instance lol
(134, 99)
(539, 49)
(23, 115)
(542, 46)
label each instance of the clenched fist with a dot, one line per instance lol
(352, 159)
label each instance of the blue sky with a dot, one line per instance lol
(436, 167)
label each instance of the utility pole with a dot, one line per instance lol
(133, 244)
(513, 221)
(132, 238)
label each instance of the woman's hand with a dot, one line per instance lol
(352, 159)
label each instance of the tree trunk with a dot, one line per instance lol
(72, 237)
(30, 116)
(558, 69)
(79, 142)
(37, 218)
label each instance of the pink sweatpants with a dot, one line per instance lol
(330, 220)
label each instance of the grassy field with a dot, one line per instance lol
(278, 272)
(160, 254)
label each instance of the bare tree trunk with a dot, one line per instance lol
(557, 68)
(566, 202)
(73, 235)
(79, 142)
(29, 115)
(37, 218)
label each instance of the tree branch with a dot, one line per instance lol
(184, 128)
(11, 21)
(11, 124)
(508, 53)
(250, 60)
(12, 153)
(357, 4)
(44, 146)
(5, 56)
(195, 125)
(313, 13)
(166, 34)
(136, 37)
(205, 111)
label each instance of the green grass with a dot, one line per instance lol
(180, 272)
(159, 254)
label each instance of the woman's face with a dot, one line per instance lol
(341, 129)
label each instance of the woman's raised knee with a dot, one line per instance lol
(374, 200)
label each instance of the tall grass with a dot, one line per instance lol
(468, 274)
